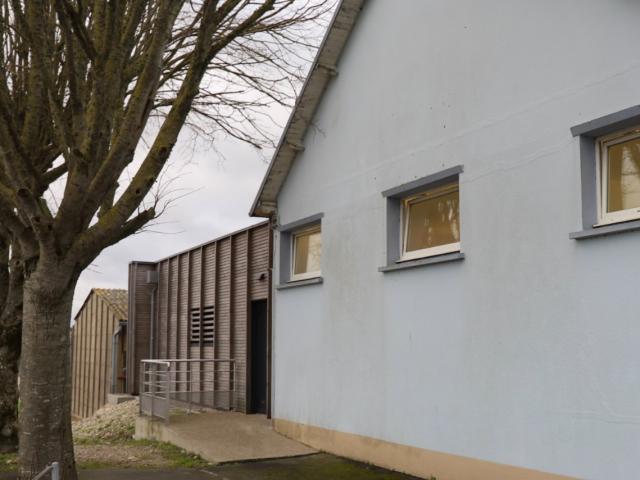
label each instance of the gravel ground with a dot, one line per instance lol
(106, 440)
(110, 423)
(121, 456)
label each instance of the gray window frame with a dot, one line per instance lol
(394, 197)
(286, 233)
(588, 134)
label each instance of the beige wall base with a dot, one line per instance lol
(402, 458)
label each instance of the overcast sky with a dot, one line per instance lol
(222, 182)
(222, 191)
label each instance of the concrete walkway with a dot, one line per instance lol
(222, 437)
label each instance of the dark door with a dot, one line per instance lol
(259, 356)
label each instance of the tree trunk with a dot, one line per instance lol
(45, 371)
(10, 331)
(9, 361)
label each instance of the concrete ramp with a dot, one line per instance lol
(222, 437)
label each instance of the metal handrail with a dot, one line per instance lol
(166, 363)
(170, 382)
(54, 468)
(188, 360)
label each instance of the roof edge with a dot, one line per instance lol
(94, 291)
(322, 70)
(203, 244)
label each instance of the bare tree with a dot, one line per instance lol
(79, 84)
(11, 295)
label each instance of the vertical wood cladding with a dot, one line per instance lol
(92, 343)
(139, 324)
(225, 275)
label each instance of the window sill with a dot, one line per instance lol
(605, 230)
(449, 257)
(299, 283)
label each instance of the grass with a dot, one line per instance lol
(313, 467)
(175, 457)
(8, 462)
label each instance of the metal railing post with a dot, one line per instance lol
(152, 387)
(55, 471)
(171, 375)
(53, 468)
(142, 370)
(189, 384)
(213, 384)
(232, 384)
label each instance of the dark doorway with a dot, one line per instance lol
(259, 356)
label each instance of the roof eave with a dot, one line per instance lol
(291, 143)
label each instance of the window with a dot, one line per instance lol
(300, 252)
(609, 149)
(431, 222)
(423, 221)
(619, 177)
(203, 324)
(306, 253)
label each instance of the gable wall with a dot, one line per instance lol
(525, 353)
(92, 345)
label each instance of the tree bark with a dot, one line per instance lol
(45, 371)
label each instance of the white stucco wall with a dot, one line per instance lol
(528, 351)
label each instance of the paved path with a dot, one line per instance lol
(221, 437)
(312, 467)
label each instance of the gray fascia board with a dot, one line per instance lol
(416, 186)
(613, 122)
(204, 244)
(303, 222)
(605, 230)
(449, 257)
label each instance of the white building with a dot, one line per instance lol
(458, 254)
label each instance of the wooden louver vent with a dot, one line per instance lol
(203, 324)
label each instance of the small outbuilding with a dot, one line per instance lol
(203, 316)
(99, 350)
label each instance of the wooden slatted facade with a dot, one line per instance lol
(92, 341)
(219, 280)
